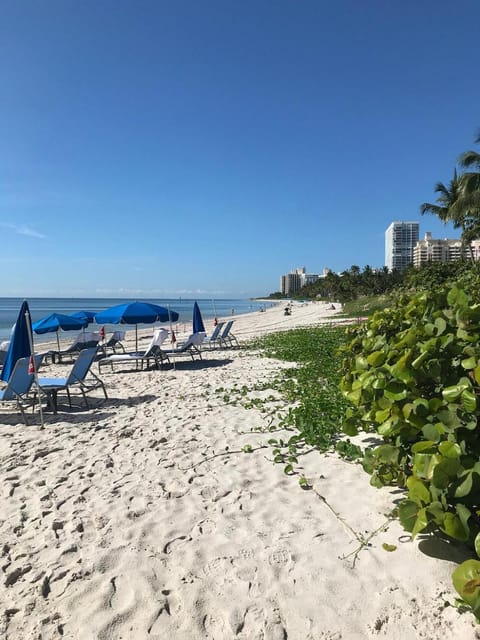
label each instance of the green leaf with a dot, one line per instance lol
(466, 580)
(395, 390)
(469, 363)
(477, 544)
(444, 472)
(417, 491)
(421, 522)
(376, 359)
(441, 325)
(464, 486)
(454, 527)
(449, 449)
(408, 513)
(469, 401)
(389, 547)
(450, 394)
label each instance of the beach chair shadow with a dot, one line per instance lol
(152, 353)
(19, 385)
(80, 377)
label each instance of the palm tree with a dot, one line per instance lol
(458, 203)
(449, 194)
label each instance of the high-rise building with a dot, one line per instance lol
(292, 282)
(400, 239)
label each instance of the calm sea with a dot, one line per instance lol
(41, 307)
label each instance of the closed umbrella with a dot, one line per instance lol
(197, 319)
(19, 343)
(56, 321)
(135, 313)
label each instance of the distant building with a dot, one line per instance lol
(447, 250)
(292, 282)
(400, 239)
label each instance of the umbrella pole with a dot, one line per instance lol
(136, 337)
(35, 372)
(58, 342)
(171, 332)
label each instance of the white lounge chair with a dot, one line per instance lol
(191, 347)
(151, 353)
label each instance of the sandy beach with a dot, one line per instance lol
(143, 518)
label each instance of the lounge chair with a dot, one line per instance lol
(80, 377)
(212, 340)
(191, 347)
(19, 384)
(227, 339)
(151, 353)
(114, 343)
(84, 340)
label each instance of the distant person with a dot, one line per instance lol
(233, 311)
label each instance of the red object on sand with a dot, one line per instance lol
(31, 366)
(215, 322)
(174, 337)
(102, 332)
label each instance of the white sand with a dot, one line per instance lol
(140, 518)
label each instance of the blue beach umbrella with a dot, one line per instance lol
(135, 313)
(197, 319)
(19, 344)
(89, 316)
(56, 321)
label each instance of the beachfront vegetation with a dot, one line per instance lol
(311, 389)
(412, 374)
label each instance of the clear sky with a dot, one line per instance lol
(154, 148)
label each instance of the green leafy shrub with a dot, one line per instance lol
(413, 375)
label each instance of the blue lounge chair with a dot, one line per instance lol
(19, 384)
(76, 379)
(227, 339)
(212, 340)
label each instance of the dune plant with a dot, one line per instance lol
(412, 374)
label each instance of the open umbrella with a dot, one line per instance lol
(135, 313)
(56, 321)
(197, 319)
(19, 344)
(89, 316)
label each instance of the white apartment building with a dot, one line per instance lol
(296, 279)
(400, 239)
(447, 250)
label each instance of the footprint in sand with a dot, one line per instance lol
(279, 557)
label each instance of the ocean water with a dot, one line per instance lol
(41, 307)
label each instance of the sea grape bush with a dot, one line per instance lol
(412, 374)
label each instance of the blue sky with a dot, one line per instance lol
(154, 148)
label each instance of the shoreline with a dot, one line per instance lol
(144, 517)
